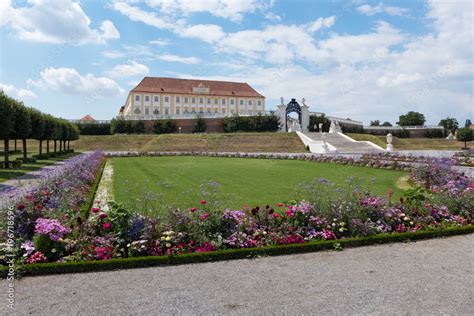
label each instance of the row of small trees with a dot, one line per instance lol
(18, 122)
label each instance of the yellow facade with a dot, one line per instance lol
(169, 104)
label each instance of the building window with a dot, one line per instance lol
(231, 101)
(147, 110)
(186, 100)
(137, 98)
(137, 110)
(147, 98)
(156, 111)
(177, 100)
(193, 110)
(223, 101)
(249, 102)
(167, 111)
(259, 103)
(216, 101)
(223, 111)
(193, 100)
(201, 100)
(157, 99)
(177, 110)
(208, 110)
(241, 102)
(208, 101)
(216, 110)
(167, 99)
(201, 110)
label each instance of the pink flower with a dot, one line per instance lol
(203, 202)
(204, 216)
(95, 210)
(280, 204)
(275, 215)
(106, 225)
(193, 209)
(290, 213)
(102, 215)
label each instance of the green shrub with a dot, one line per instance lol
(94, 128)
(53, 250)
(164, 127)
(199, 125)
(465, 135)
(258, 123)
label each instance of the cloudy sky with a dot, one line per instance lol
(360, 59)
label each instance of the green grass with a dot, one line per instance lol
(231, 142)
(11, 173)
(242, 181)
(413, 143)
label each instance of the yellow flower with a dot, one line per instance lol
(168, 238)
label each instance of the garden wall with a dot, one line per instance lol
(214, 125)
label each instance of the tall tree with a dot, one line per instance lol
(6, 124)
(375, 123)
(449, 123)
(387, 124)
(37, 127)
(412, 118)
(465, 135)
(22, 125)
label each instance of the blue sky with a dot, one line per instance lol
(360, 59)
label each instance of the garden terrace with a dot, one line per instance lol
(412, 143)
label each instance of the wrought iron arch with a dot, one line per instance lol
(291, 107)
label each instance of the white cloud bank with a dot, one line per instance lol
(54, 21)
(69, 81)
(17, 93)
(131, 69)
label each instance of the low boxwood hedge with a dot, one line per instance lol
(86, 207)
(140, 262)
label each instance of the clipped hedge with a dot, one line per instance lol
(86, 207)
(140, 262)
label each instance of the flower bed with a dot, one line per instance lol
(49, 229)
(457, 159)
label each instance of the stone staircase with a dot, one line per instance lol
(345, 144)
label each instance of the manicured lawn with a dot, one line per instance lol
(241, 181)
(230, 142)
(413, 143)
(11, 173)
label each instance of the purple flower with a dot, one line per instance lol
(50, 227)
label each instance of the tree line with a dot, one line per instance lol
(19, 122)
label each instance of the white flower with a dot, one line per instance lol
(163, 237)
(168, 238)
(342, 223)
(406, 218)
(53, 250)
(341, 229)
(333, 224)
(168, 245)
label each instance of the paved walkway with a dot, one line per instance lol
(424, 278)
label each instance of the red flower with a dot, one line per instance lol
(280, 204)
(290, 213)
(38, 207)
(106, 225)
(204, 216)
(203, 202)
(46, 193)
(193, 209)
(275, 215)
(21, 206)
(95, 210)
(102, 215)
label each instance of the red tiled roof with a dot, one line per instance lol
(87, 118)
(185, 86)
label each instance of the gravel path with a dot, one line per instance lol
(423, 278)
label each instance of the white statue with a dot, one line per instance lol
(450, 136)
(389, 142)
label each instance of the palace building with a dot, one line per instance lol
(156, 97)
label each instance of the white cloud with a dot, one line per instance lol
(207, 32)
(179, 59)
(131, 69)
(320, 23)
(17, 93)
(113, 54)
(369, 10)
(55, 22)
(139, 15)
(233, 10)
(69, 81)
(160, 42)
